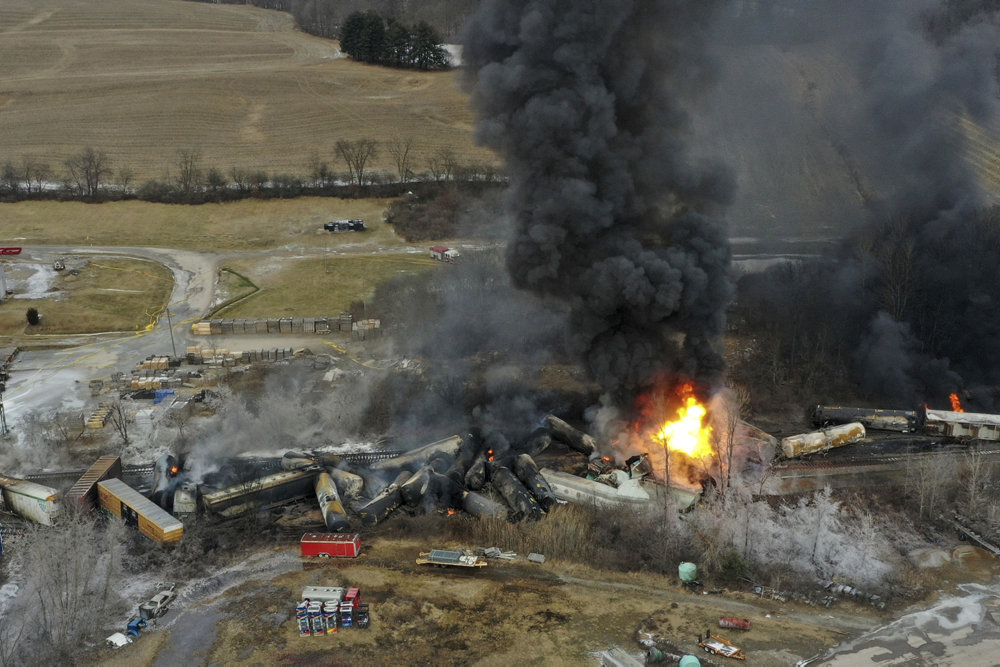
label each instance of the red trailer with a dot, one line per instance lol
(331, 545)
(10, 251)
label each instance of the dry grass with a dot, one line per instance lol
(243, 225)
(94, 300)
(139, 79)
(309, 286)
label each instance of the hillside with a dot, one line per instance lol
(142, 79)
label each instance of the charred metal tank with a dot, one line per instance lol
(517, 497)
(348, 484)
(379, 507)
(329, 504)
(822, 440)
(527, 472)
(570, 436)
(480, 506)
(904, 421)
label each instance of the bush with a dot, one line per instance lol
(33, 317)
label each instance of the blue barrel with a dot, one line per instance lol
(689, 661)
(687, 571)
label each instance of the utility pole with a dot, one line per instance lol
(170, 328)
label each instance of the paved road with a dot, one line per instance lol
(56, 379)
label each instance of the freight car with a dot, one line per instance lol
(265, 491)
(904, 421)
(138, 511)
(84, 493)
(822, 440)
(962, 425)
(30, 500)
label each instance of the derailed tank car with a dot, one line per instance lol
(32, 501)
(822, 440)
(271, 489)
(904, 421)
(140, 512)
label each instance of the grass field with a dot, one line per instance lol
(311, 287)
(140, 79)
(91, 298)
(244, 225)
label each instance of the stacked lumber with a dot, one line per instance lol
(154, 363)
(99, 416)
(274, 325)
(369, 328)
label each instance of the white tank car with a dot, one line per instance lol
(30, 500)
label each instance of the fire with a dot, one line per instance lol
(956, 405)
(489, 454)
(174, 470)
(451, 512)
(688, 434)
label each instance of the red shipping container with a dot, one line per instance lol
(331, 545)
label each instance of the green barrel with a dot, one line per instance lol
(687, 571)
(689, 661)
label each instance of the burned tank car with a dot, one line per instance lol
(903, 421)
(822, 440)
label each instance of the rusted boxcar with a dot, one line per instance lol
(84, 493)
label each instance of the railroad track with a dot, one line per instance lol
(140, 475)
(875, 459)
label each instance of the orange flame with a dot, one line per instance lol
(688, 434)
(174, 470)
(451, 512)
(956, 405)
(489, 454)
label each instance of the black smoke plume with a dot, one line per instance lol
(585, 101)
(911, 301)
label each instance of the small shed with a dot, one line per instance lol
(443, 254)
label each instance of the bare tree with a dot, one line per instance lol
(70, 588)
(443, 164)
(319, 171)
(35, 173)
(927, 479)
(189, 174)
(120, 418)
(125, 178)
(357, 154)
(87, 171)
(977, 472)
(400, 151)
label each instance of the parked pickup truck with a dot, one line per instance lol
(157, 605)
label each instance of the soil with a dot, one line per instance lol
(554, 613)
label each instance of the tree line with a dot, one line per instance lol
(92, 176)
(325, 17)
(370, 38)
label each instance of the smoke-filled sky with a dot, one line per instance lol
(585, 102)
